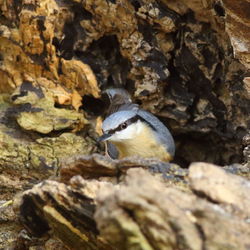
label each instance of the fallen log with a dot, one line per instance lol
(141, 209)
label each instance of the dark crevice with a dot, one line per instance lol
(67, 44)
(73, 32)
(17, 7)
(202, 195)
(165, 11)
(202, 235)
(105, 59)
(136, 4)
(112, 1)
(132, 216)
(219, 10)
(180, 239)
(32, 217)
(94, 106)
(86, 212)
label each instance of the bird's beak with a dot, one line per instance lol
(104, 137)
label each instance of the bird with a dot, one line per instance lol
(129, 130)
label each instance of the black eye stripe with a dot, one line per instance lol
(120, 127)
(128, 122)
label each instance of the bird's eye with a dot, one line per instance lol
(124, 125)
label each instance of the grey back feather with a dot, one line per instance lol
(162, 133)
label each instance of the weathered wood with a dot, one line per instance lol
(143, 211)
(185, 61)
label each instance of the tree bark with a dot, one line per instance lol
(187, 62)
(141, 211)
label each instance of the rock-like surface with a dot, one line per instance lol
(246, 151)
(36, 111)
(176, 58)
(96, 166)
(237, 18)
(143, 211)
(221, 187)
(26, 158)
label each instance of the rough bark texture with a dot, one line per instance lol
(185, 61)
(178, 59)
(141, 211)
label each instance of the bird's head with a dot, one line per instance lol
(121, 126)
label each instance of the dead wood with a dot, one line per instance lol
(142, 211)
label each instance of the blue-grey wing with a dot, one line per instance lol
(162, 133)
(112, 150)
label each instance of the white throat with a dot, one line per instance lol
(128, 133)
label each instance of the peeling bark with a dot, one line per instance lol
(176, 58)
(142, 211)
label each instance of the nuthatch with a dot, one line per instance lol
(131, 131)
